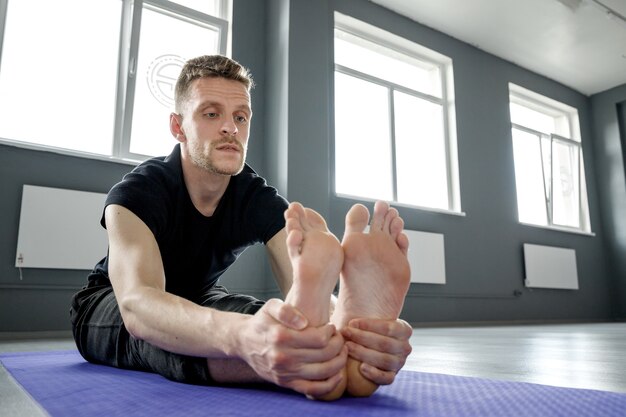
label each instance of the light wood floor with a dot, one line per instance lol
(591, 356)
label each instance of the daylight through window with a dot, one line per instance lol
(549, 171)
(394, 135)
(98, 78)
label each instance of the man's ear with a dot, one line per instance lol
(176, 127)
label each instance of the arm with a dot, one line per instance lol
(149, 313)
(267, 346)
(279, 261)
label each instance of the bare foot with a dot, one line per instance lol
(375, 276)
(316, 257)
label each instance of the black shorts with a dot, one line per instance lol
(101, 337)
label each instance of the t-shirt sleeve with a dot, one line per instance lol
(265, 212)
(144, 197)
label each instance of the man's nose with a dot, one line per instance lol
(229, 128)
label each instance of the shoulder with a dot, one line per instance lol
(248, 174)
(250, 185)
(151, 190)
(259, 204)
(159, 173)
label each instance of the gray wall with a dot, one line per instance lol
(288, 46)
(484, 258)
(40, 300)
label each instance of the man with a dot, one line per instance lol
(175, 224)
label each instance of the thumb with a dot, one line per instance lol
(286, 314)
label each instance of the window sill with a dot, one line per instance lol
(559, 229)
(404, 205)
(68, 152)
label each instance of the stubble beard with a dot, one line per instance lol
(205, 161)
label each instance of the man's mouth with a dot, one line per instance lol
(233, 147)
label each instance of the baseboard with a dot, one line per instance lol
(48, 334)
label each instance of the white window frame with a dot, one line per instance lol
(548, 106)
(398, 44)
(127, 60)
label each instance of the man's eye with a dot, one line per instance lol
(241, 119)
(211, 115)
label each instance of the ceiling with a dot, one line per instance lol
(579, 43)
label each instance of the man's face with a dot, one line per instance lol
(216, 125)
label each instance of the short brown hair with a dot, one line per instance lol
(209, 66)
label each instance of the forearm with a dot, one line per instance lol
(177, 325)
(232, 371)
(186, 328)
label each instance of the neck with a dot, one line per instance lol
(205, 188)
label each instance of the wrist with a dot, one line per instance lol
(238, 333)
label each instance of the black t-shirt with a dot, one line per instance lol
(195, 249)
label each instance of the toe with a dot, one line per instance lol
(390, 216)
(314, 220)
(396, 225)
(378, 219)
(295, 210)
(403, 243)
(294, 243)
(294, 216)
(356, 219)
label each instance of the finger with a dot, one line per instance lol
(325, 370)
(312, 371)
(307, 354)
(309, 338)
(314, 389)
(381, 360)
(378, 342)
(398, 329)
(326, 340)
(376, 375)
(285, 314)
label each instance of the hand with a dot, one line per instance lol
(280, 348)
(381, 345)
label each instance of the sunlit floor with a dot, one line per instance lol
(591, 356)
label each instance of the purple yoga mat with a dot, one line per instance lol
(65, 385)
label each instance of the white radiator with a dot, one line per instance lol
(550, 267)
(60, 229)
(426, 257)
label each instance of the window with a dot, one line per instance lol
(96, 77)
(549, 169)
(394, 121)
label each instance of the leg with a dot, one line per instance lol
(316, 257)
(218, 298)
(101, 338)
(375, 276)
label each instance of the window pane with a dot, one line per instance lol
(566, 210)
(58, 73)
(362, 141)
(531, 202)
(525, 116)
(546, 153)
(165, 45)
(211, 7)
(420, 152)
(387, 64)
